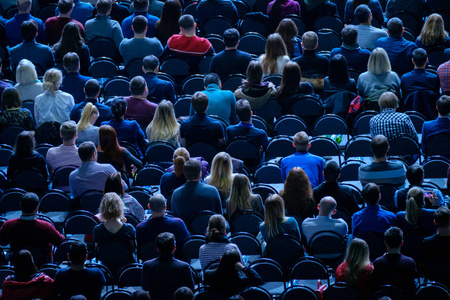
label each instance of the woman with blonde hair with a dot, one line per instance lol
(85, 128)
(164, 126)
(276, 55)
(298, 194)
(27, 85)
(221, 175)
(53, 104)
(242, 198)
(433, 34)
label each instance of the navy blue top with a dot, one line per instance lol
(375, 8)
(151, 29)
(372, 218)
(200, 127)
(229, 62)
(356, 58)
(73, 83)
(158, 88)
(252, 133)
(128, 131)
(170, 182)
(445, 44)
(312, 63)
(419, 80)
(425, 224)
(87, 282)
(104, 111)
(399, 51)
(13, 33)
(433, 127)
(206, 9)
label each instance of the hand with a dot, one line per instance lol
(433, 199)
(239, 266)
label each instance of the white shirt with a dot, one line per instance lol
(281, 61)
(49, 107)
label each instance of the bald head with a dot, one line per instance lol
(327, 206)
(157, 204)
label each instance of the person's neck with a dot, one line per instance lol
(419, 68)
(76, 267)
(444, 231)
(139, 97)
(324, 215)
(158, 214)
(194, 180)
(394, 250)
(380, 159)
(64, 16)
(367, 23)
(69, 142)
(442, 116)
(246, 122)
(189, 33)
(140, 35)
(23, 12)
(32, 214)
(231, 48)
(91, 99)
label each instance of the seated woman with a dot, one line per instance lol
(242, 198)
(275, 56)
(86, 129)
(338, 79)
(12, 112)
(27, 85)
(164, 126)
(288, 32)
(298, 194)
(27, 282)
(221, 175)
(433, 34)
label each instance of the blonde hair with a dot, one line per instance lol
(164, 126)
(180, 157)
(274, 214)
(275, 48)
(221, 173)
(25, 72)
(85, 120)
(357, 259)
(240, 195)
(52, 80)
(379, 62)
(111, 206)
(414, 204)
(433, 31)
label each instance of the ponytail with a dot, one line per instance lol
(178, 164)
(413, 212)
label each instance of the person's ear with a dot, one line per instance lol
(318, 206)
(148, 205)
(334, 211)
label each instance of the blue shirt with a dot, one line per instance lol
(38, 54)
(104, 112)
(419, 80)
(430, 128)
(81, 11)
(128, 131)
(13, 33)
(372, 218)
(399, 51)
(310, 163)
(356, 58)
(229, 62)
(158, 88)
(200, 127)
(252, 133)
(151, 29)
(73, 83)
(206, 9)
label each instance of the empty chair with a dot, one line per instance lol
(159, 152)
(134, 68)
(117, 86)
(438, 144)
(403, 146)
(130, 275)
(56, 205)
(340, 290)
(247, 221)
(216, 41)
(118, 294)
(80, 222)
(182, 106)
(60, 177)
(328, 38)
(268, 173)
(323, 146)
(256, 293)
(90, 200)
(358, 146)
(328, 22)
(216, 25)
(289, 125)
(10, 200)
(264, 190)
(330, 124)
(233, 81)
(149, 175)
(309, 268)
(328, 246)
(432, 290)
(308, 107)
(375, 241)
(252, 42)
(203, 149)
(436, 167)
(256, 22)
(192, 84)
(247, 243)
(245, 150)
(102, 46)
(349, 170)
(361, 122)
(299, 292)
(199, 222)
(176, 67)
(271, 273)
(284, 249)
(103, 67)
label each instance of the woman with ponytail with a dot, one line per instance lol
(53, 104)
(85, 128)
(277, 10)
(174, 178)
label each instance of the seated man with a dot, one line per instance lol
(138, 107)
(200, 127)
(310, 163)
(27, 232)
(367, 34)
(324, 221)
(207, 9)
(140, 9)
(82, 11)
(162, 276)
(54, 25)
(73, 83)
(157, 88)
(415, 7)
(381, 171)
(77, 280)
(440, 125)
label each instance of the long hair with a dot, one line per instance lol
(180, 157)
(24, 144)
(337, 70)
(297, 193)
(26, 72)
(357, 259)
(287, 30)
(240, 195)
(254, 74)
(85, 120)
(170, 15)
(273, 214)
(108, 143)
(114, 184)
(357, 3)
(433, 31)
(290, 81)
(226, 268)
(217, 227)
(70, 41)
(221, 172)
(52, 80)
(379, 63)
(24, 266)
(275, 48)
(414, 204)
(164, 126)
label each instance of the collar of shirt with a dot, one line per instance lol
(323, 217)
(301, 153)
(27, 218)
(388, 111)
(212, 87)
(246, 125)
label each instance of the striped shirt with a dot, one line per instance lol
(389, 172)
(212, 252)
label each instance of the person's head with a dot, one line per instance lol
(87, 151)
(157, 204)
(71, 32)
(414, 203)
(240, 194)
(200, 102)
(310, 40)
(104, 7)
(393, 238)
(138, 86)
(273, 214)
(139, 24)
(371, 194)
(443, 105)
(183, 293)
(71, 62)
(29, 29)
(420, 58)
(170, 15)
(327, 206)
(301, 141)
(180, 157)
(395, 27)
(349, 35)
(25, 72)
(150, 63)
(379, 62)
(88, 117)
(140, 295)
(337, 70)
(24, 144)
(187, 23)
(29, 203)
(164, 125)
(165, 243)
(77, 253)
(119, 108)
(357, 259)
(107, 139)
(212, 78)
(287, 30)
(442, 217)
(24, 266)
(388, 100)
(217, 227)
(68, 130)
(363, 14)
(297, 192)
(254, 73)
(221, 172)
(414, 174)
(379, 146)
(111, 207)
(65, 6)
(331, 171)
(228, 261)
(275, 47)
(113, 184)
(140, 5)
(92, 89)
(231, 37)
(243, 110)
(52, 80)
(23, 6)
(11, 99)
(290, 79)
(433, 31)
(192, 170)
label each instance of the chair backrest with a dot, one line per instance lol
(264, 190)
(358, 146)
(289, 125)
(328, 38)
(10, 133)
(268, 173)
(274, 78)
(233, 81)
(103, 67)
(48, 132)
(361, 124)
(327, 245)
(60, 252)
(256, 293)
(284, 249)
(118, 294)
(102, 46)
(192, 246)
(432, 290)
(106, 272)
(299, 292)
(260, 123)
(417, 119)
(301, 27)
(114, 254)
(256, 22)
(269, 270)
(55, 200)
(324, 146)
(80, 222)
(176, 67)
(329, 22)
(390, 291)
(216, 25)
(252, 42)
(31, 180)
(130, 275)
(247, 221)
(149, 175)
(375, 240)
(403, 146)
(350, 169)
(141, 194)
(423, 101)
(245, 150)
(49, 270)
(5, 154)
(269, 111)
(308, 108)
(5, 271)
(340, 290)
(182, 106)
(436, 167)
(205, 149)
(117, 86)
(147, 251)
(159, 151)
(247, 243)
(309, 268)
(208, 294)
(90, 200)
(192, 84)
(330, 124)
(438, 144)
(10, 200)
(134, 68)
(199, 222)
(60, 177)
(216, 41)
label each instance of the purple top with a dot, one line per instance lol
(288, 7)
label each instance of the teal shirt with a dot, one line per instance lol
(290, 226)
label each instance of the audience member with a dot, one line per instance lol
(164, 126)
(221, 175)
(374, 5)
(168, 23)
(27, 83)
(242, 199)
(82, 11)
(174, 177)
(289, 33)
(443, 73)
(314, 9)
(138, 108)
(12, 111)
(87, 131)
(140, 295)
(338, 81)
(275, 57)
(367, 34)
(183, 293)
(157, 88)
(415, 7)
(119, 12)
(207, 9)
(278, 10)
(298, 195)
(54, 25)
(440, 125)
(140, 9)
(433, 34)
(74, 83)
(155, 8)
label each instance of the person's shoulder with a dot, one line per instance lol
(395, 164)
(152, 19)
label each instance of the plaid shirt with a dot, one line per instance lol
(392, 124)
(443, 73)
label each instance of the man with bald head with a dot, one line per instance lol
(324, 221)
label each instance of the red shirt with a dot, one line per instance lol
(54, 27)
(192, 45)
(362, 284)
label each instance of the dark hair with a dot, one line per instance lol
(183, 293)
(191, 169)
(199, 102)
(139, 24)
(165, 242)
(337, 70)
(77, 252)
(290, 81)
(442, 216)
(103, 6)
(211, 78)
(443, 105)
(168, 25)
(379, 145)
(356, 3)
(371, 193)
(186, 22)
(349, 34)
(86, 150)
(243, 110)
(231, 37)
(288, 31)
(150, 62)
(395, 27)
(92, 88)
(65, 6)
(362, 13)
(24, 266)
(393, 237)
(226, 267)
(140, 295)
(138, 85)
(118, 108)
(28, 29)
(331, 171)
(114, 184)
(71, 60)
(420, 57)
(216, 229)
(70, 41)
(254, 74)
(24, 144)
(140, 5)
(68, 130)
(29, 202)
(414, 174)
(109, 145)
(11, 98)
(276, 10)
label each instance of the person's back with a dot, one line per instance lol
(207, 9)
(138, 107)
(367, 34)
(54, 25)
(439, 126)
(140, 9)
(312, 65)
(157, 88)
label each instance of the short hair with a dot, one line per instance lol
(77, 252)
(186, 22)
(243, 110)
(10, 98)
(165, 242)
(23, 6)
(371, 193)
(86, 150)
(199, 102)
(331, 171)
(65, 6)
(309, 40)
(138, 85)
(327, 205)
(150, 62)
(68, 130)
(395, 27)
(111, 207)
(301, 141)
(362, 13)
(103, 6)
(118, 107)
(442, 216)
(140, 295)
(25, 72)
(419, 57)
(211, 78)
(139, 24)
(443, 105)
(231, 37)
(379, 63)
(71, 62)
(183, 293)
(78, 297)
(393, 237)
(140, 5)
(388, 100)
(349, 34)
(92, 88)
(29, 28)
(29, 202)
(157, 203)
(414, 174)
(191, 169)
(379, 145)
